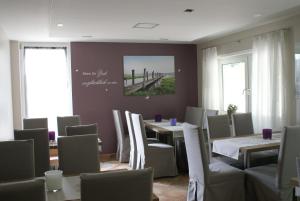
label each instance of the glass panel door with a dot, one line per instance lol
(235, 83)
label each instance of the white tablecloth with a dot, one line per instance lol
(231, 147)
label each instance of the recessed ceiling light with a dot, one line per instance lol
(163, 39)
(60, 25)
(145, 25)
(87, 36)
(257, 15)
(189, 10)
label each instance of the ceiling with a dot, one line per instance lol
(113, 20)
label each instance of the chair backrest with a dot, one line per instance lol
(242, 124)
(29, 190)
(31, 123)
(64, 121)
(208, 113)
(82, 129)
(141, 139)
(133, 185)
(289, 150)
(194, 115)
(41, 147)
(196, 153)
(119, 126)
(17, 160)
(133, 148)
(78, 154)
(218, 126)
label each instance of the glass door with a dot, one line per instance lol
(235, 83)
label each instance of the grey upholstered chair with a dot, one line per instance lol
(216, 181)
(64, 121)
(194, 115)
(17, 160)
(272, 182)
(78, 154)
(29, 190)
(31, 123)
(41, 147)
(208, 113)
(133, 185)
(123, 140)
(157, 155)
(242, 124)
(218, 126)
(82, 129)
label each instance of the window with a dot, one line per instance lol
(235, 82)
(47, 83)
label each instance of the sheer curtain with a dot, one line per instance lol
(273, 80)
(210, 79)
(48, 90)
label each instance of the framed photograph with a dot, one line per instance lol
(149, 75)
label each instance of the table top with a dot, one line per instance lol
(295, 182)
(232, 146)
(163, 126)
(71, 190)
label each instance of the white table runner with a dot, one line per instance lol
(165, 124)
(231, 147)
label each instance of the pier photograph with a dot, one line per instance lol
(149, 75)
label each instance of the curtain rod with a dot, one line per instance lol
(239, 40)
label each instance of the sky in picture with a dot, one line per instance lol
(162, 64)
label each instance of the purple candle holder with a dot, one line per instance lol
(267, 133)
(158, 118)
(51, 135)
(173, 121)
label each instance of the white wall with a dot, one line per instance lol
(6, 114)
(16, 84)
(243, 41)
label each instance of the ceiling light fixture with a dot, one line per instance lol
(60, 25)
(257, 15)
(87, 36)
(189, 10)
(145, 25)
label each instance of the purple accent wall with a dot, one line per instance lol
(95, 103)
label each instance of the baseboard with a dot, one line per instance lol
(107, 157)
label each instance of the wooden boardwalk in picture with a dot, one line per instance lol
(142, 85)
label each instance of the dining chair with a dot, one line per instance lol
(215, 181)
(272, 182)
(133, 185)
(218, 126)
(78, 154)
(194, 115)
(133, 148)
(17, 160)
(123, 148)
(208, 113)
(82, 129)
(28, 190)
(242, 124)
(41, 147)
(31, 123)
(157, 155)
(63, 121)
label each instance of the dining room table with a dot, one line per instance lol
(247, 144)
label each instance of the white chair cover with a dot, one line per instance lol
(123, 140)
(133, 148)
(157, 155)
(210, 182)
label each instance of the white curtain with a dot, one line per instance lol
(273, 81)
(210, 79)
